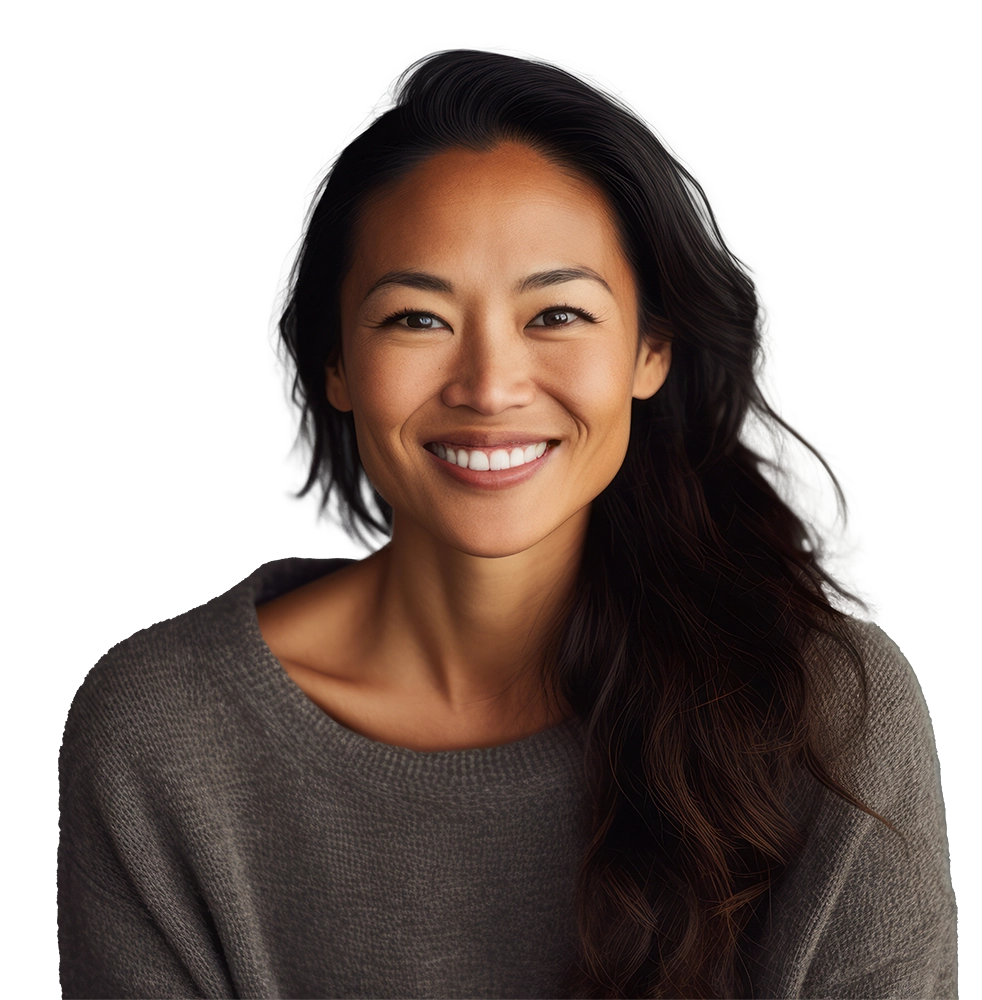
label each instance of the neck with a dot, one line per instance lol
(469, 630)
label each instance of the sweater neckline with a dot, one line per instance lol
(298, 725)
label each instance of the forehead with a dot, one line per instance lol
(500, 212)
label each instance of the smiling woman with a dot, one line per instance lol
(504, 349)
(590, 723)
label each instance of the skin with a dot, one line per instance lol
(422, 643)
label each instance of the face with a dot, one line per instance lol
(490, 310)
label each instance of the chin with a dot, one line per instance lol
(494, 543)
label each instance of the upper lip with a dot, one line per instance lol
(478, 439)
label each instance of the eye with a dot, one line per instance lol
(561, 316)
(415, 320)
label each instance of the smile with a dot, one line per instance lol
(488, 459)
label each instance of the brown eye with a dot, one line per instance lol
(561, 316)
(411, 320)
(420, 321)
(556, 317)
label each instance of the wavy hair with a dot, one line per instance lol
(682, 645)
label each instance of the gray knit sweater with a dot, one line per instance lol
(221, 836)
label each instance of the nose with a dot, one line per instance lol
(491, 370)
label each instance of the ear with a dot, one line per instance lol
(337, 386)
(652, 365)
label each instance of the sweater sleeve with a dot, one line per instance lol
(110, 945)
(884, 911)
(130, 923)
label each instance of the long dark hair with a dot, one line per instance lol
(682, 646)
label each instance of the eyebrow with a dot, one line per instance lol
(426, 282)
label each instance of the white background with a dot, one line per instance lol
(159, 160)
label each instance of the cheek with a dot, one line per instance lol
(386, 388)
(596, 382)
(380, 386)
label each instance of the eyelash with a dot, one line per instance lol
(403, 313)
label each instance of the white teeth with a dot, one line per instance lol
(482, 461)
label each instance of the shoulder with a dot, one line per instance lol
(866, 909)
(882, 748)
(153, 676)
(873, 722)
(168, 685)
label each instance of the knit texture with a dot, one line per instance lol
(222, 836)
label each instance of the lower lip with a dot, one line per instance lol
(499, 479)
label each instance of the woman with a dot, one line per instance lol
(590, 723)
